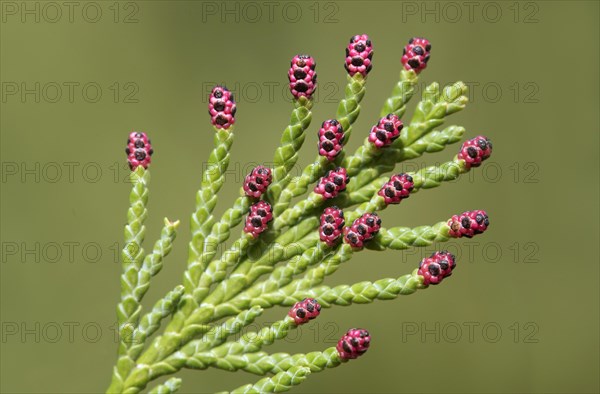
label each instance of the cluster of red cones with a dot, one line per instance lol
(333, 230)
(354, 343)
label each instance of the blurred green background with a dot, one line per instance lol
(519, 315)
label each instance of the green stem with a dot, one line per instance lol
(314, 276)
(153, 262)
(286, 154)
(401, 94)
(219, 335)
(426, 178)
(348, 111)
(150, 322)
(129, 308)
(188, 340)
(283, 275)
(217, 269)
(291, 215)
(398, 238)
(240, 278)
(195, 274)
(396, 104)
(212, 339)
(249, 343)
(401, 238)
(395, 238)
(213, 179)
(432, 110)
(169, 387)
(281, 382)
(221, 231)
(434, 141)
(261, 363)
(427, 141)
(361, 292)
(299, 185)
(182, 330)
(193, 356)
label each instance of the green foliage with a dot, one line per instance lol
(223, 294)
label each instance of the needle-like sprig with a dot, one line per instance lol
(288, 248)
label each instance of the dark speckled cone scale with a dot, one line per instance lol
(416, 54)
(332, 183)
(475, 151)
(139, 150)
(332, 224)
(257, 182)
(305, 310)
(468, 224)
(221, 107)
(258, 218)
(302, 76)
(359, 55)
(353, 344)
(436, 267)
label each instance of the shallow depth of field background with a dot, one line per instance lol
(520, 313)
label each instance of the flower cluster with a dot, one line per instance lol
(302, 76)
(469, 223)
(475, 151)
(258, 218)
(386, 131)
(257, 182)
(416, 54)
(292, 239)
(331, 139)
(305, 310)
(359, 55)
(397, 188)
(221, 107)
(362, 230)
(333, 183)
(436, 267)
(138, 150)
(354, 343)
(332, 224)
